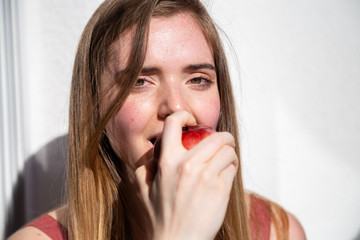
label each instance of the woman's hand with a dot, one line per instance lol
(188, 195)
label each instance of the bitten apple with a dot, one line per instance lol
(192, 135)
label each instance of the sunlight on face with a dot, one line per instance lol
(178, 74)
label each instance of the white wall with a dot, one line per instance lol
(51, 30)
(300, 106)
(299, 97)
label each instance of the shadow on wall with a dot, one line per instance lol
(357, 236)
(40, 187)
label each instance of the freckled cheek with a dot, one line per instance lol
(214, 112)
(133, 117)
(208, 112)
(128, 118)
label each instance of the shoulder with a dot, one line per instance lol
(269, 219)
(296, 231)
(35, 229)
(285, 223)
(29, 233)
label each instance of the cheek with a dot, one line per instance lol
(125, 127)
(130, 120)
(127, 115)
(208, 112)
(214, 112)
(127, 119)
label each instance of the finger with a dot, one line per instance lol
(171, 136)
(208, 147)
(209, 167)
(224, 158)
(209, 171)
(227, 176)
(216, 151)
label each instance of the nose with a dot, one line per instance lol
(172, 99)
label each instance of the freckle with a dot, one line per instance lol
(132, 120)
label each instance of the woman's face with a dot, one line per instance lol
(178, 74)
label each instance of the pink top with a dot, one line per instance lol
(260, 218)
(260, 222)
(50, 226)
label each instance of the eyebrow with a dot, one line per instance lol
(145, 70)
(188, 68)
(200, 66)
(149, 70)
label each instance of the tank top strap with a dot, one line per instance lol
(50, 226)
(260, 218)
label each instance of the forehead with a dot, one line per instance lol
(176, 35)
(181, 25)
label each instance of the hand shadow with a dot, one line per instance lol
(40, 188)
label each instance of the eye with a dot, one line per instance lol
(196, 80)
(140, 82)
(200, 82)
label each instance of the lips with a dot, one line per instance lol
(153, 140)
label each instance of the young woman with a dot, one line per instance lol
(144, 69)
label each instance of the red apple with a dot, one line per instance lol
(190, 137)
(193, 134)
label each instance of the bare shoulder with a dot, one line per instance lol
(32, 233)
(60, 214)
(283, 223)
(296, 231)
(29, 233)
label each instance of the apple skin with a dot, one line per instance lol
(192, 135)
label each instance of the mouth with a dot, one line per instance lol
(153, 140)
(154, 137)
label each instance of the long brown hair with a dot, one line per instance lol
(97, 191)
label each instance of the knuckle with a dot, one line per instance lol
(217, 139)
(186, 168)
(228, 150)
(225, 138)
(165, 164)
(206, 177)
(230, 138)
